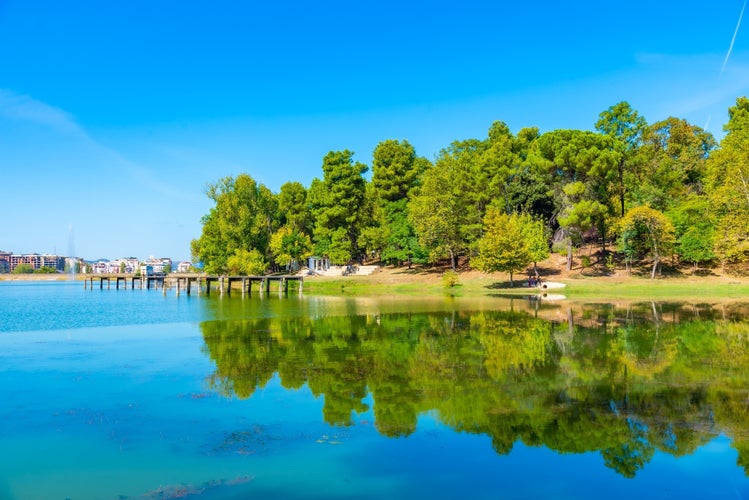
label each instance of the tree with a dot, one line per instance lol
(626, 126)
(646, 232)
(246, 262)
(503, 246)
(336, 203)
(23, 268)
(694, 230)
(436, 214)
(673, 156)
(290, 246)
(535, 238)
(243, 218)
(578, 216)
(497, 162)
(727, 187)
(468, 188)
(396, 171)
(696, 245)
(580, 167)
(292, 203)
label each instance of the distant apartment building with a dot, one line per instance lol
(184, 267)
(129, 265)
(5, 262)
(159, 265)
(35, 260)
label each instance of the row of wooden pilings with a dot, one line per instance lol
(201, 283)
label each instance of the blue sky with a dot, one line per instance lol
(114, 116)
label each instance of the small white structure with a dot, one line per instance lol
(318, 264)
(184, 267)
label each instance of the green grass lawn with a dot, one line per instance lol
(583, 288)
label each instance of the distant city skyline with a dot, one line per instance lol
(115, 116)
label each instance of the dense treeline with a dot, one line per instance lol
(648, 191)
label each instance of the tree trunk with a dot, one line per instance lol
(569, 255)
(656, 261)
(512, 283)
(622, 167)
(452, 260)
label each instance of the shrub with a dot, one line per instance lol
(450, 279)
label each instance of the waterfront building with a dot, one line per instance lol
(129, 265)
(5, 262)
(159, 265)
(184, 267)
(100, 267)
(37, 261)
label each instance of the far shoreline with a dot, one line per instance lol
(428, 282)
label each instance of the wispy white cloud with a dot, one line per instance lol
(24, 108)
(733, 39)
(27, 109)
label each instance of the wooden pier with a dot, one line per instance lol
(200, 282)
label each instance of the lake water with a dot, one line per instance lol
(112, 394)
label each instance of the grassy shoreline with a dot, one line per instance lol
(599, 288)
(420, 282)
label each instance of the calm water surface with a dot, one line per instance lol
(111, 394)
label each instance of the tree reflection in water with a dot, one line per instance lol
(623, 381)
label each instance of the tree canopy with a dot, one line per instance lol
(581, 187)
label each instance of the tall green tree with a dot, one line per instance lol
(437, 214)
(580, 167)
(497, 162)
(727, 186)
(626, 126)
(673, 162)
(336, 202)
(292, 203)
(462, 163)
(396, 171)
